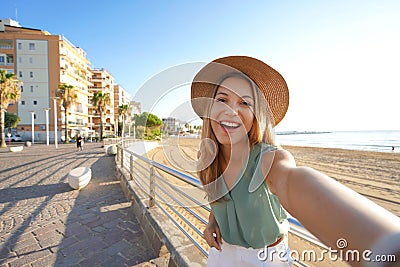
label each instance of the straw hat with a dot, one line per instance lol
(268, 80)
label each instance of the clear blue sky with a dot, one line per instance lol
(341, 59)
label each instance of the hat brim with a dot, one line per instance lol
(269, 81)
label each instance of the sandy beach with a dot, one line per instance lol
(375, 175)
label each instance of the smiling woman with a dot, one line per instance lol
(250, 182)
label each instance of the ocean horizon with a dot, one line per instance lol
(379, 140)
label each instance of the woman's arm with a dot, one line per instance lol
(212, 234)
(328, 209)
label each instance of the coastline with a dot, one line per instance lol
(373, 140)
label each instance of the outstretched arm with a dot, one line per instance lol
(328, 209)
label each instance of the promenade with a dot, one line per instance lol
(43, 222)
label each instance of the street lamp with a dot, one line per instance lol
(129, 128)
(33, 126)
(55, 121)
(91, 128)
(134, 129)
(47, 125)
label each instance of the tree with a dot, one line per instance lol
(11, 120)
(123, 110)
(9, 93)
(147, 119)
(68, 97)
(100, 101)
(150, 122)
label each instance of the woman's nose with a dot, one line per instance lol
(231, 110)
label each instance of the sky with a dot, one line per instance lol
(340, 59)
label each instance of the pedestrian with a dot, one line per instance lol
(251, 182)
(79, 142)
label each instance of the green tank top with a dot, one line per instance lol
(250, 215)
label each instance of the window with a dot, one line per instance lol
(31, 60)
(10, 59)
(34, 116)
(2, 60)
(31, 46)
(20, 74)
(19, 46)
(22, 88)
(31, 88)
(34, 102)
(19, 59)
(22, 102)
(31, 74)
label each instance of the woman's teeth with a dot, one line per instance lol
(229, 124)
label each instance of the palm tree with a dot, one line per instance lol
(123, 110)
(100, 101)
(68, 97)
(9, 93)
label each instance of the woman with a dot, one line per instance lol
(79, 142)
(250, 182)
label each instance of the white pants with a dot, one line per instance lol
(232, 255)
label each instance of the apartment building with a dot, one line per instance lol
(42, 61)
(102, 81)
(75, 70)
(121, 97)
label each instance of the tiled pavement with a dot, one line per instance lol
(43, 222)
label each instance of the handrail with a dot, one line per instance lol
(295, 226)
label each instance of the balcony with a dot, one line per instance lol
(6, 44)
(76, 123)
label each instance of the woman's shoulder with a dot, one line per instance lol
(277, 155)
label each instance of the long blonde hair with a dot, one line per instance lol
(261, 131)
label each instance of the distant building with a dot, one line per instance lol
(103, 81)
(136, 107)
(170, 125)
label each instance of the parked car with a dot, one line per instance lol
(14, 138)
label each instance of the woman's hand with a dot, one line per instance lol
(212, 235)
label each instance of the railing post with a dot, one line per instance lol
(122, 157)
(152, 186)
(131, 167)
(118, 150)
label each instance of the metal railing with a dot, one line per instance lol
(168, 196)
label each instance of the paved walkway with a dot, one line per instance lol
(43, 222)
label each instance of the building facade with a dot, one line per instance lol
(42, 61)
(102, 81)
(75, 70)
(33, 56)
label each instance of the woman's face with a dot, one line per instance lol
(232, 111)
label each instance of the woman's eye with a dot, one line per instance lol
(246, 103)
(220, 100)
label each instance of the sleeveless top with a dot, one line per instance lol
(250, 215)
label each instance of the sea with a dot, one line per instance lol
(381, 141)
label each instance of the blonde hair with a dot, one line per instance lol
(261, 131)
